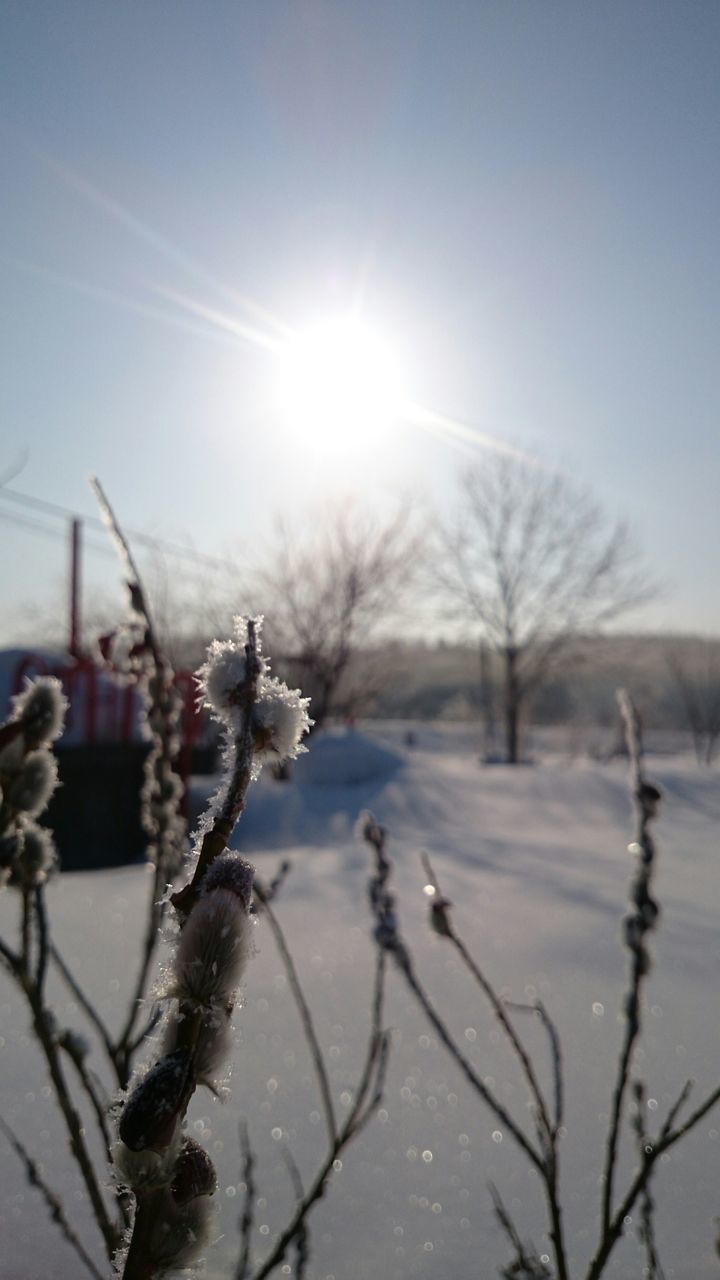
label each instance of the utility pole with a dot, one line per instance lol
(74, 645)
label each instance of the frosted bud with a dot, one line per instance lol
(144, 1170)
(220, 677)
(212, 1046)
(30, 789)
(369, 829)
(41, 711)
(77, 1045)
(194, 1173)
(230, 871)
(38, 857)
(179, 1233)
(149, 1116)
(280, 718)
(212, 951)
(649, 796)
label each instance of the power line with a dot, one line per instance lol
(146, 539)
(57, 535)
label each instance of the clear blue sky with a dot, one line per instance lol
(527, 194)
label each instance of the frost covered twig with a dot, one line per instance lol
(302, 1242)
(538, 1008)
(525, 1265)
(442, 924)
(544, 1156)
(637, 925)
(136, 650)
(170, 1175)
(28, 776)
(247, 1220)
(263, 900)
(368, 1096)
(85, 1003)
(653, 1268)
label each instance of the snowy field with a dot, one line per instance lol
(535, 860)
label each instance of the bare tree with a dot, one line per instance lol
(536, 563)
(695, 669)
(329, 593)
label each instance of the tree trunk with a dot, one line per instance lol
(487, 701)
(512, 706)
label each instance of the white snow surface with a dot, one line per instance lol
(535, 860)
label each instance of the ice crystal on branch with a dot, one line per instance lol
(279, 714)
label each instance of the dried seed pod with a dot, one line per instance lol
(149, 1116)
(194, 1173)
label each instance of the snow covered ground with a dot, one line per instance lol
(535, 860)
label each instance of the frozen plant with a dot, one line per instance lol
(541, 1146)
(28, 776)
(280, 715)
(156, 1216)
(133, 652)
(153, 1156)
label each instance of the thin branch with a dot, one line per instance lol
(146, 1031)
(538, 1008)
(665, 1141)
(85, 1003)
(637, 925)
(302, 1243)
(303, 1010)
(359, 1114)
(387, 935)
(12, 961)
(76, 1056)
(247, 1220)
(407, 968)
(74, 1124)
(441, 922)
(525, 1264)
(653, 1267)
(43, 939)
(278, 880)
(135, 584)
(25, 930)
(675, 1109)
(163, 839)
(52, 1200)
(699, 1114)
(156, 909)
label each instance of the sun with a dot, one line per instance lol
(340, 385)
